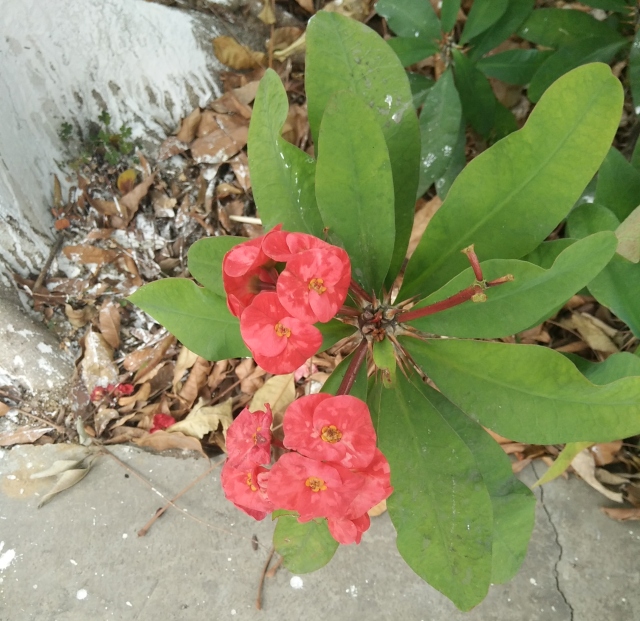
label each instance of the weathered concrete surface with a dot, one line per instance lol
(79, 557)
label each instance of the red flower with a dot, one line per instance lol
(312, 488)
(314, 284)
(283, 246)
(161, 421)
(244, 267)
(246, 489)
(328, 428)
(249, 438)
(279, 343)
(346, 531)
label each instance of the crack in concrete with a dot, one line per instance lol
(556, 573)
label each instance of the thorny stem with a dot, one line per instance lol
(352, 371)
(359, 291)
(349, 311)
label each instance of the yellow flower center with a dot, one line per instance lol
(316, 484)
(282, 331)
(317, 284)
(250, 483)
(330, 433)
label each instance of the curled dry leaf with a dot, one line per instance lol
(592, 332)
(163, 440)
(204, 419)
(622, 514)
(68, 479)
(186, 359)
(606, 452)
(279, 392)
(196, 380)
(584, 464)
(141, 395)
(170, 147)
(188, 126)
(79, 317)
(131, 200)
(231, 53)
(153, 356)
(267, 15)
(97, 367)
(240, 166)
(22, 435)
(109, 320)
(89, 254)
(227, 136)
(102, 418)
(57, 467)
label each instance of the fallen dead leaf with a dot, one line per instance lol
(267, 16)
(57, 467)
(584, 464)
(221, 143)
(68, 479)
(279, 392)
(97, 367)
(622, 514)
(606, 452)
(591, 331)
(240, 166)
(102, 418)
(204, 419)
(109, 321)
(378, 509)
(148, 366)
(126, 180)
(4, 408)
(22, 435)
(196, 380)
(188, 126)
(186, 359)
(232, 54)
(79, 317)
(163, 440)
(89, 254)
(142, 394)
(425, 210)
(131, 200)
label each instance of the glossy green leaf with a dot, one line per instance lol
(531, 297)
(303, 547)
(620, 6)
(547, 252)
(513, 66)
(198, 318)
(411, 18)
(343, 54)
(558, 27)
(449, 14)
(615, 367)
(509, 198)
(360, 386)
(384, 357)
(516, 13)
(439, 128)
(420, 87)
(562, 462)
(333, 331)
(483, 14)
(569, 57)
(618, 185)
(205, 260)
(591, 218)
(410, 51)
(282, 176)
(456, 164)
(512, 502)
(528, 393)
(635, 156)
(478, 101)
(634, 72)
(354, 187)
(440, 506)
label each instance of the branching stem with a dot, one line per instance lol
(349, 378)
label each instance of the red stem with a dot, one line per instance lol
(359, 291)
(349, 378)
(349, 311)
(450, 302)
(475, 263)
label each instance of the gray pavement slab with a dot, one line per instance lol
(79, 557)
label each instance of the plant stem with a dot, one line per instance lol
(475, 263)
(359, 291)
(349, 378)
(450, 302)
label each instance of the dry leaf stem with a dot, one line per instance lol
(48, 423)
(55, 249)
(262, 577)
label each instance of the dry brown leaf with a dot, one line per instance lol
(89, 254)
(22, 435)
(610, 478)
(232, 54)
(102, 418)
(106, 208)
(378, 509)
(109, 320)
(267, 16)
(188, 126)
(126, 180)
(57, 467)
(142, 394)
(186, 359)
(606, 452)
(196, 380)
(307, 5)
(252, 382)
(171, 146)
(57, 193)
(244, 368)
(279, 392)
(148, 367)
(219, 373)
(61, 224)
(355, 9)
(424, 212)
(298, 47)
(591, 331)
(204, 419)
(240, 166)
(247, 93)
(97, 367)
(622, 514)
(120, 434)
(79, 317)
(4, 408)
(224, 190)
(227, 136)
(68, 479)
(584, 464)
(162, 441)
(132, 199)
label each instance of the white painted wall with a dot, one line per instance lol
(67, 60)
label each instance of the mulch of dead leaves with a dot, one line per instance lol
(120, 227)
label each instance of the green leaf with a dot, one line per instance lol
(591, 218)
(282, 176)
(512, 502)
(517, 11)
(534, 295)
(303, 547)
(569, 57)
(332, 332)
(615, 367)
(198, 318)
(449, 14)
(562, 462)
(634, 72)
(558, 27)
(205, 260)
(618, 185)
(483, 15)
(439, 128)
(410, 51)
(476, 94)
(513, 66)
(620, 6)
(343, 54)
(456, 165)
(528, 393)
(440, 506)
(509, 198)
(547, 252)
(354, 187)
(420, 87)
(384, 357)
(360, 386)
(410, 18)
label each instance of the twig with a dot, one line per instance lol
(262, 576)
(42, 420)
(145, 529)
(52, 255)
(245, 219)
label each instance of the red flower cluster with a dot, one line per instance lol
(277, 310)
(333, 470)
(115, 391)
